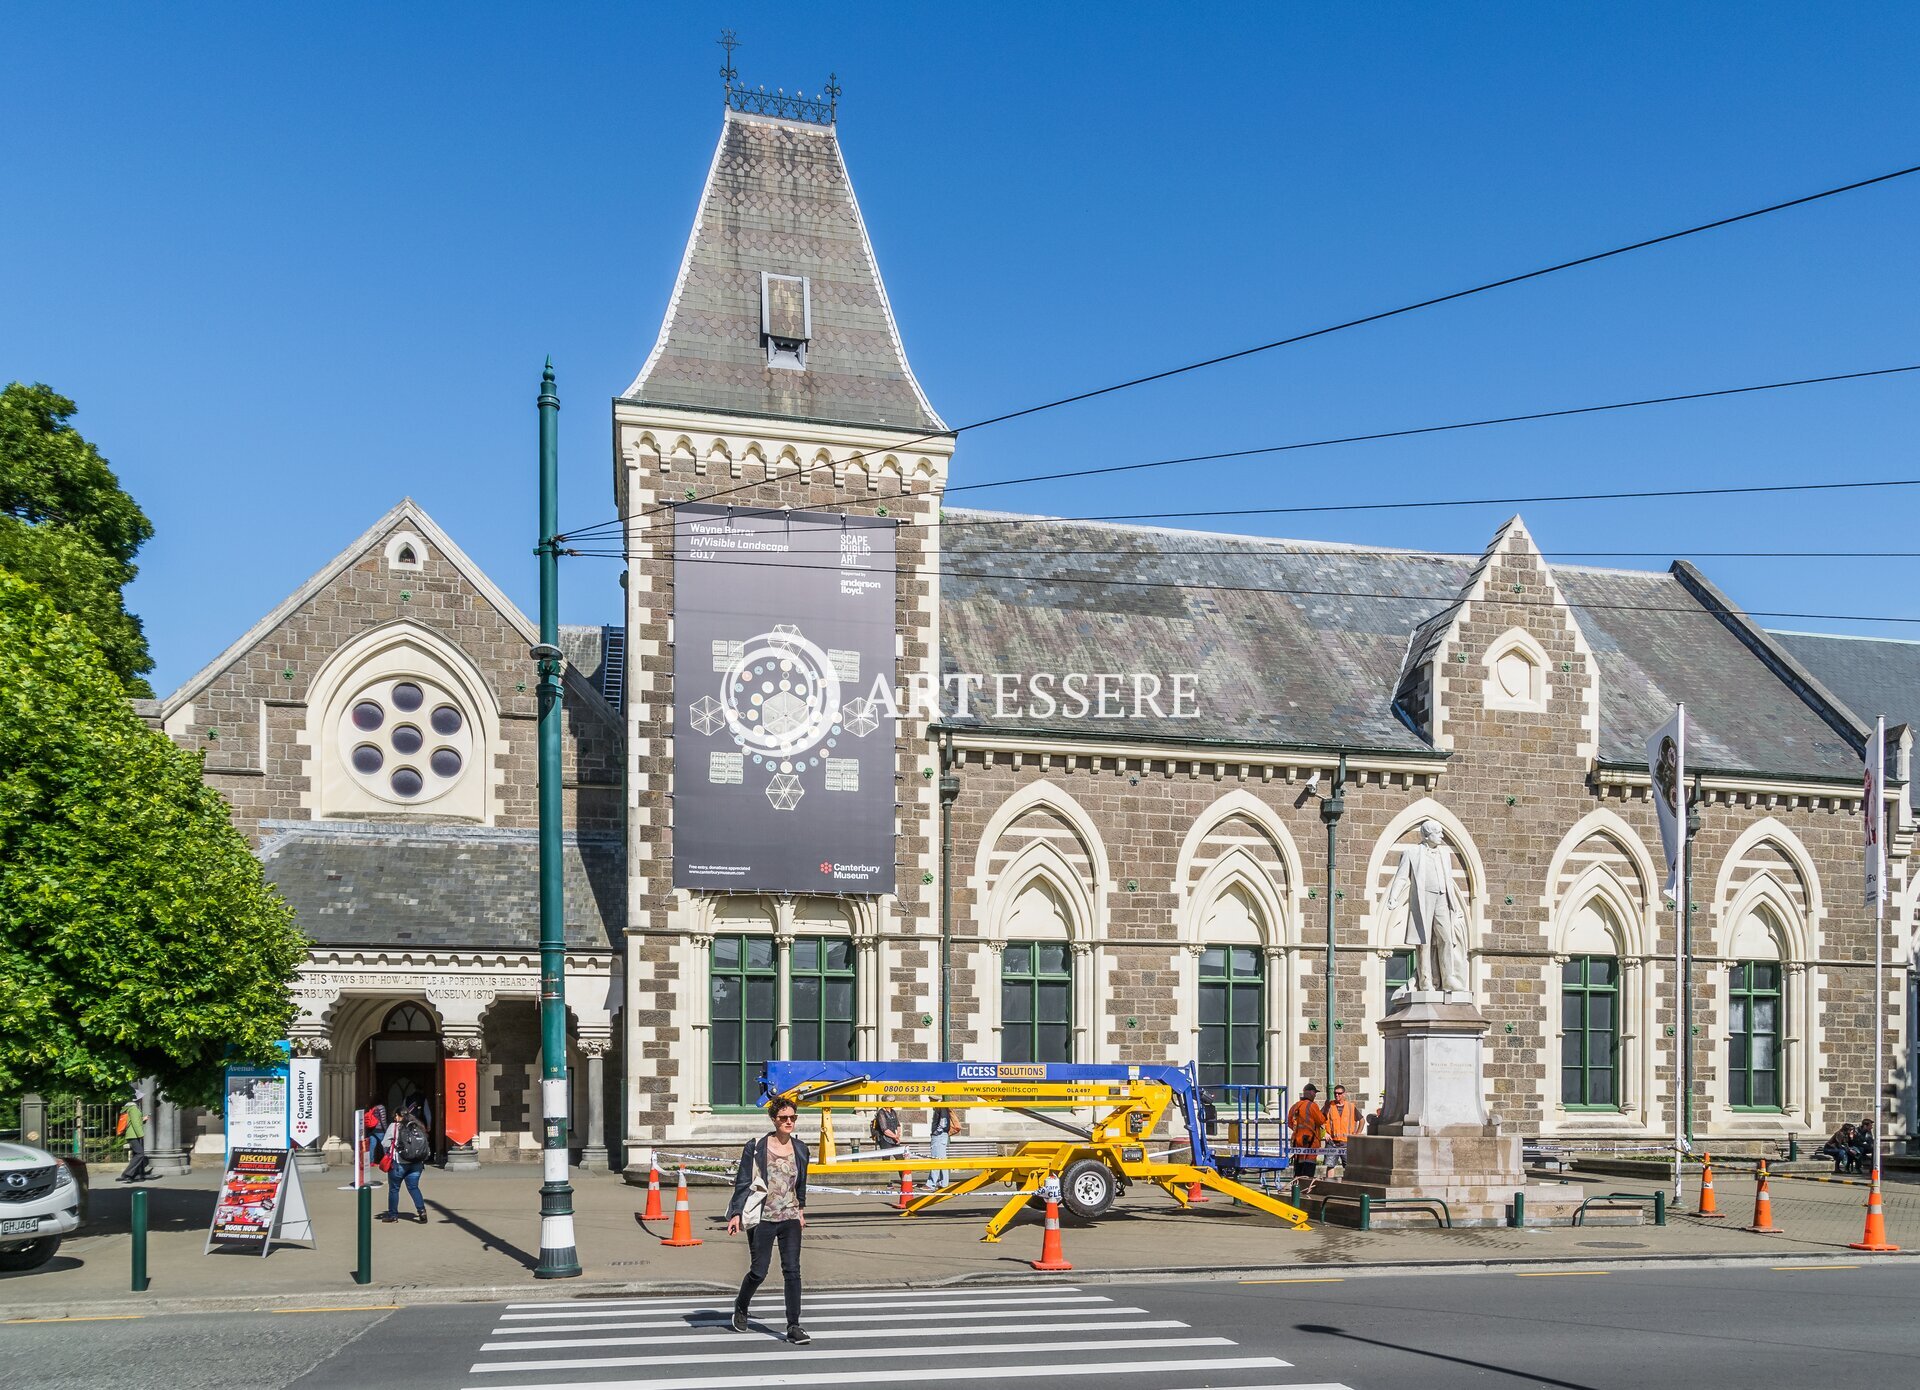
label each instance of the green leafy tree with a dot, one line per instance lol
(138, 936)
(67, 526)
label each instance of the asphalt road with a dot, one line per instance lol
(1619, 1328)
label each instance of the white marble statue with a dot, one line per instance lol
(1425, 904)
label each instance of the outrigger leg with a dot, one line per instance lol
(1004, 1217)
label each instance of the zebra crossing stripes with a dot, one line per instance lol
(980, 1338)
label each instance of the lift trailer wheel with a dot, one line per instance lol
(1087, 1188)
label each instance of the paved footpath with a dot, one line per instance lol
(482, 1239)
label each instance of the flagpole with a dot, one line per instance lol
(1680, 1039)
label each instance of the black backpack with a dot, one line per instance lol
(412, 1144)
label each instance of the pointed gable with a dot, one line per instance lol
(779, 310)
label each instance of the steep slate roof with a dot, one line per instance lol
(1315, 669)
(387, 886)
(778, 200)
(1317, 665)
(1874, 675)
(1657, 645)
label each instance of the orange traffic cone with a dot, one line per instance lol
(653, 1212)
(682, 1217)
(1708, 1208)
(1195, 1193)
(1876, 1237)
(1051, 1255)
(906, 1189)
(1763, 1208)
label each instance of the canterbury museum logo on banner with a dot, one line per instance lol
(1873, 811)
(303, 1101)
(1667, 766)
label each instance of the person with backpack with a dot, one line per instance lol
(886, 1128)
(133, 1125)
(410, 1146)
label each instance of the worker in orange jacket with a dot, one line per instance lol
(1343, 1122)
(1306, 1123)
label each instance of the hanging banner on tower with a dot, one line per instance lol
(1667, 766)
(1873, 811)
(784, 710)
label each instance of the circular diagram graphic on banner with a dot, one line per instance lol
(780, 697)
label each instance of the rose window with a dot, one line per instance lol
(406, 739)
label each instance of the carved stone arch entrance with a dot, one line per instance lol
(401, 1061)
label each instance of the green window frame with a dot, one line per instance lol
(821, 980)
(1036, 1002)
(1590, 1033)
(1756, 1015)
(1233, 1013)
(1399, 973)
(742, 1016)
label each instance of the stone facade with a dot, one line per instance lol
(417, 892)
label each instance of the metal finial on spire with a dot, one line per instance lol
(833, 97)
(727, 73)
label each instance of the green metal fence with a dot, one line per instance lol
(71, 1126)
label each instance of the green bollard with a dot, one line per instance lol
(140, 1280)
(1660, 1207)
(1366, 1211)
(1293, 1193)
(364, 1274)
(1519, 1209)
(1793, 1148)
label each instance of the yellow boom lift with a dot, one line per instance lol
(1093, 1167)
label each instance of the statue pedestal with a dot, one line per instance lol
(1435, 1138)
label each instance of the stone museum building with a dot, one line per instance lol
(1176, 761)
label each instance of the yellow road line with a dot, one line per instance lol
(1562, 1273)
(349, 1308)
(1821, 1269)
(102, 1317)
(1293, 1281)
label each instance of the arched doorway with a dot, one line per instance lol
(401, 1063)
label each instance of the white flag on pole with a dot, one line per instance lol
(1667, 766)
(1873, 811)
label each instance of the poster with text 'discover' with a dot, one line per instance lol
(783, 713)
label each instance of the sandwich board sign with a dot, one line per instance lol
(260, 1202)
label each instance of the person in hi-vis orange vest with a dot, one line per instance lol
(1343, 1122)
(1306, 1123)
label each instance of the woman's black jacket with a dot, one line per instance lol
(755, 1155)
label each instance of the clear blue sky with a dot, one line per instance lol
(296, 263)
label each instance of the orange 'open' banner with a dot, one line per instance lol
(463, 1100)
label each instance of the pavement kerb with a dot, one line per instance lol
(380, 1297)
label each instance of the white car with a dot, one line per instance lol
(40, 1204)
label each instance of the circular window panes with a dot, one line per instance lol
(383, 747)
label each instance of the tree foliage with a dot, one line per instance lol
(138, 936)
(67, 526)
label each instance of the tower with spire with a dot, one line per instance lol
(778, 379)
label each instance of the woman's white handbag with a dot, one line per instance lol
(756, 1196)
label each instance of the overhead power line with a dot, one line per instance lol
(1379, 316)
(1642, 494)
(1441, 599)
(1410, 432)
